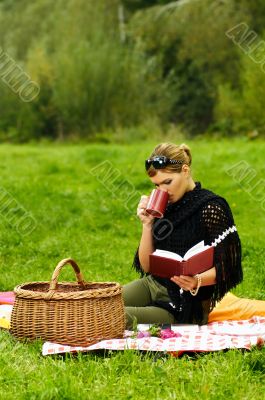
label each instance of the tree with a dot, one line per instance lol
(194, 52)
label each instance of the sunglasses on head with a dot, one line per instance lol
(160, 162)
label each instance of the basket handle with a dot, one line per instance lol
(56, 272)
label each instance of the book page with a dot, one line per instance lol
(198, 248)
(168, 254)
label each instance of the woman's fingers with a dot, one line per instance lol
(141, 210)
(185, 282)
(143, 202)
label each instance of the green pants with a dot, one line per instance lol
(138, 295)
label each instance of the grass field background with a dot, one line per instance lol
(82, 199)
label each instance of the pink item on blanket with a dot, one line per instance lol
(7, 298)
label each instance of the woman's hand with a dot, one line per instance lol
(145, 218)
(185, 282)
(190, 282)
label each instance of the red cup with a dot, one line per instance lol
(157, 203)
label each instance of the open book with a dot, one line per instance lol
(197, 259)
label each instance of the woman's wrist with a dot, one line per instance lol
(197, 277)
(195, 290)
(208, 277)
(147, 225)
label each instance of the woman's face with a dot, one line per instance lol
(175, 183)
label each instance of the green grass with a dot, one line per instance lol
(78, 215)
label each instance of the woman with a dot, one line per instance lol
(193, 214)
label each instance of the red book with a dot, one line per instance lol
(197, 259)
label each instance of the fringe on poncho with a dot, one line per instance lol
(199, 215)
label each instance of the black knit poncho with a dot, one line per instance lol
(198, 215)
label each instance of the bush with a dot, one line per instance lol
(89, 79)
(241, 110)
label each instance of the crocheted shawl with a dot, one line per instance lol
(199, 215)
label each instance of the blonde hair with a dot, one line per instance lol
(180, 153)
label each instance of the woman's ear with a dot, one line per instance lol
(186, 169)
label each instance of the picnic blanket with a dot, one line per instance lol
(215, 336)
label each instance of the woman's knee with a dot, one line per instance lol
(147, 315)
(136, 293)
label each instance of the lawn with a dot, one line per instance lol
(79, 201)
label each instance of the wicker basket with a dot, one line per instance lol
(77, 314)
